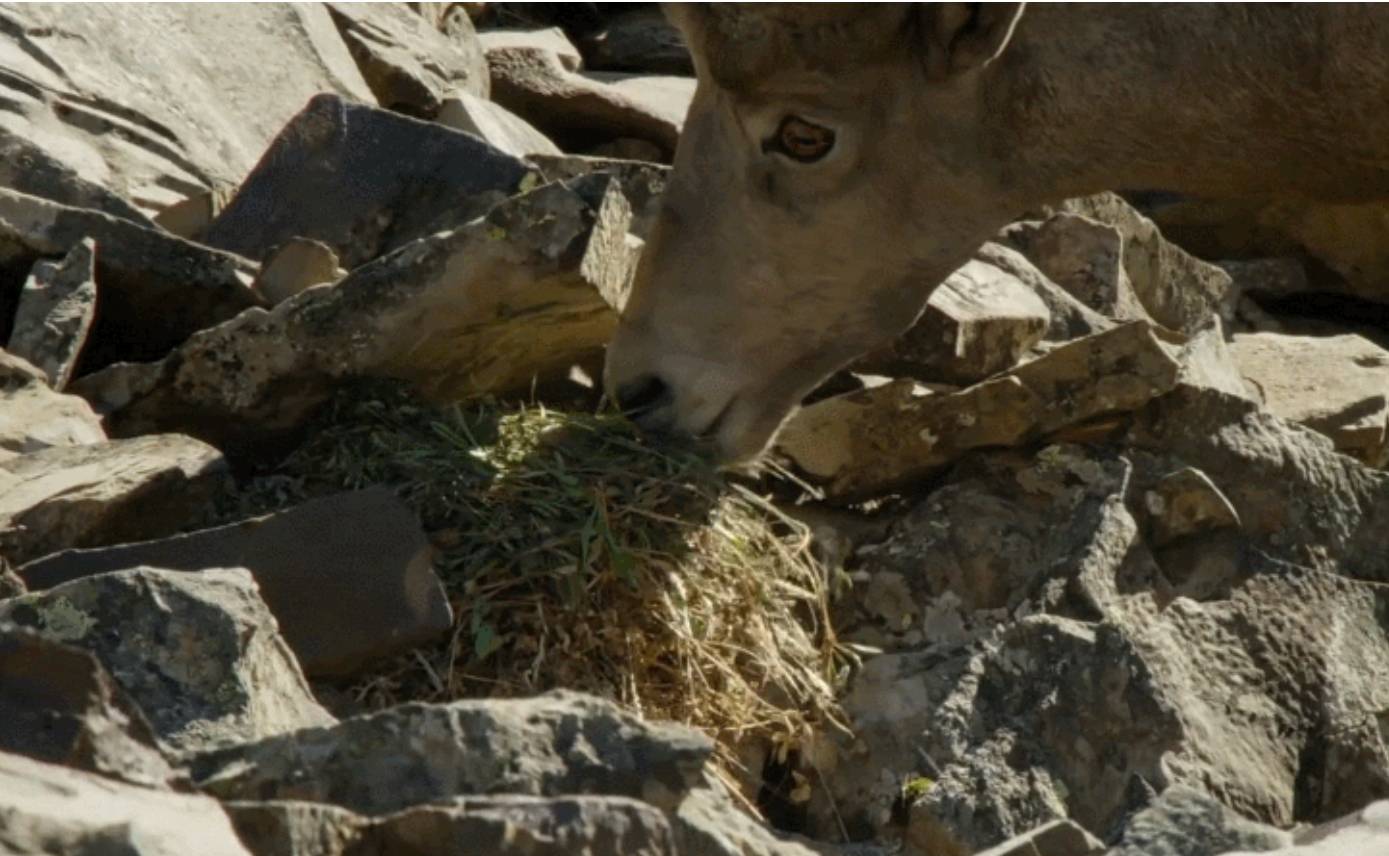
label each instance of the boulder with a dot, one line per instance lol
(154, 289)
(979, 322)
(294, 266)
(408, 179)
(1070, 319)
(498, 126)
(639, 40)
(547, 40)
(1086, 258)
(49, 809)
(31, 169)
(642, 183)
(525, 292)
(1337, 385)
(557, 744)
(1187, 822)
(411, 65)
(60, 706)
(132, 100)
(354, 560)
(34, 417)
(191, 216)
(104, 493)
(199, 653)
(55, 311)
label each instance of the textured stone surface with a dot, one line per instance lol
(355, 560)
(294, 266)
(34, 417)
(1086, 258)
(55, 313)
(501, 128)
(199, 653)
(1187, 822)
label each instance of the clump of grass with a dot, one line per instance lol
(577, 555)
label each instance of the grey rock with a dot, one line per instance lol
(1362, 833)
(49, 809)
(104, 493)
(525, 292)
(1070, 319)
(642, 183)
(354, 560)
(111, 96)
(409, 64)
(55, 312)
(1186, 502)
(191, 216)
(560, 743)
(155, 289)
(199, 653)
(294, 827)
(27, 167)
(60, 706)
(549, 40)
(408, 179)
(34, 417)
(1058, 838)
(1086, 258)
(296, 265)
(1186, 822)
(1281, 276)
(501, 128)
(640, 40)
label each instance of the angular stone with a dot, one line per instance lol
(296, 265)
(354, 560)
(1186, 821)
(498, 126)
(60, 706)
(1336, 385)
(1282, 276)
(190, 217)
(156, 289)
(1058, 838)
(199, 653)
(51, 809)
(1086, 258)
(55, 312)
(886, 437)
(294, 827)
(1070, 319)
(525, 292)
(409, 64)
(1177, 289)
(556, 744)
(1364, 833)
(29, 168)
(549, 40)
(1186, 502)
(408, 179)
(34, 417)
(104, 493)
(642, 183)
(640, 40)
(132, 101)
(579, 111)
(979, 322)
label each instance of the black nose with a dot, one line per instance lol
(641, 396)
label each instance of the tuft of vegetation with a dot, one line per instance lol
(578, 555)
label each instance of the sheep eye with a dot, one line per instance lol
(800, 140)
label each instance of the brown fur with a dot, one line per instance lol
(762, 277)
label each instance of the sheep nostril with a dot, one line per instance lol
(642, 395)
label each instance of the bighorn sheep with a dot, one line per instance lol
(839, 161)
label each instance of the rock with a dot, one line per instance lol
(1283, 276)
(1058, 838)
(579, 111)
(409, 64)
(557, 744)
(155, 289)
(354, 559)
(525, 292)
(50, 809)
(296, 265)
(1086, 258)
(979, 322)
(1186, 822)
(640, 40)
(1177, 289)
(294, 827)
(34, 417)
(10, 583)
(149, 116)
(297, 190)
(104, 493)
(1185, 502)
(1337, 385)
(61, 707)
(496, 125)
(1364, 833)
(55, 312)
(1070, 319)
(199, 653)
(869, 442)
(642, 183)
(190, 217)
(548, 40)
(30, 169)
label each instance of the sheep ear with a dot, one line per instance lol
(964, 36)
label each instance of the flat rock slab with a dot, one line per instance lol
(501, 128)
(154, 289)
(1364, 833)
(55, 312)
(51, 809)
(199, 653)
(34, 417)
(364, 181)
(1336, 385)
(355, 560)
(159, 102)
(642, 183)
(526, 292)
(60, 706)
(560, 743)
(104, 493)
